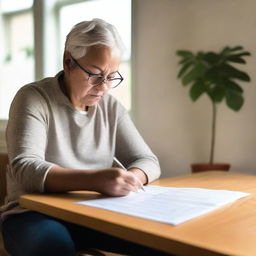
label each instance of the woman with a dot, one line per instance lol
(66, 133)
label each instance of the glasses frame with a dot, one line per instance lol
(103, 78)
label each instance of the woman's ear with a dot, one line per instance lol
(67, 61)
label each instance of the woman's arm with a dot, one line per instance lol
(26, 137)
(113, 181)
(134, 153)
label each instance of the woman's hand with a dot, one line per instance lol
(112, 181)
(115, 182)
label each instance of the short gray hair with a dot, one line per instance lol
(90, 33)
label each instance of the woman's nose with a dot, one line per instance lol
(103, 85)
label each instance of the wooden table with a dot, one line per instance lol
(229, 230)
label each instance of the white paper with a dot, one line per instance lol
(167, 204)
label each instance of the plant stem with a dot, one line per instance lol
(213, 131)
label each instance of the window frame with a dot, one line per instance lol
(5, 22)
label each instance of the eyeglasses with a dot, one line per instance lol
(97, 79)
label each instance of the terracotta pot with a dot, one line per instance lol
(201, 167)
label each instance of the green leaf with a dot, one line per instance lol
(211, 58)
(236, 48)
(195, 73)
(196, 90)
(213, 75)
(241, 54)
(217, 94)
(184, 53)
(185, 61)
(234, 100)
(227, 50)
(236, 59)
(184, 69)
(229, 71)
(231, 85)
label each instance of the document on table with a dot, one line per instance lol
(167, 204)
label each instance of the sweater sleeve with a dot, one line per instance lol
(132, 151)
(26, 137)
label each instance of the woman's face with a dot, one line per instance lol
(98, 60)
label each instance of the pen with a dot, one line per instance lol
(142, 187)
(121, 165)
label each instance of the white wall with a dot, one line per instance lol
(178, 130)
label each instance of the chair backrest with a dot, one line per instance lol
(3, 164)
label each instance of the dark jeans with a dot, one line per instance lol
(35, 234)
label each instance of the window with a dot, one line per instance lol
(27, 53)
(17, 61)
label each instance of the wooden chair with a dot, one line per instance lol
(3, 166)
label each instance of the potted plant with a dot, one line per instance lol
(213, 74)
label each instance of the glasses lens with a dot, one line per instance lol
(115, 83)
(97, 80)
